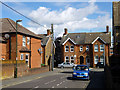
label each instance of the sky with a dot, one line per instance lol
(77, 17)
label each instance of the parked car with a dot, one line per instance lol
(66, 64)
(99, 65)
(81, 72)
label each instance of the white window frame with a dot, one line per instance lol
(71, 49)
(102, 48)
(26, 59)
(66, 48)
(71, 59)
(102, 59)
(24, 41)
(96, 60)
(66, 59)
(28, 40)
(81, 48)
(87, 48)
(96, 48)
(22, 57)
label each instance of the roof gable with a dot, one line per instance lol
(67, 40)
(97, 39)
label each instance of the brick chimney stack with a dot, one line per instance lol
(66, 31)
(107, 29)
(48, 32)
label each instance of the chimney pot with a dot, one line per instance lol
(107, 29)
(48, 32)
(66, 32)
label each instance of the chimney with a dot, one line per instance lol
(48, 32)
(107, 29)
(66, 32)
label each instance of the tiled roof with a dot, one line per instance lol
(44, 39)
(24, 49)
(9, 26)
(87, 38)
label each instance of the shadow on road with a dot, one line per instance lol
(67, 72)
(97, 80)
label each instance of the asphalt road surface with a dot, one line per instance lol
(63, 79)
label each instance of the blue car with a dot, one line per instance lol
(81, 72)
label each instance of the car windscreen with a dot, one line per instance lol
(79, 68)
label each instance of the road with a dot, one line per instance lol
(62, 78)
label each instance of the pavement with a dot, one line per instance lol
(59, 78)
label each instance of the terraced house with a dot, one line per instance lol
(86, 48)
(28, 44)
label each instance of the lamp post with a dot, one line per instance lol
(15, 72)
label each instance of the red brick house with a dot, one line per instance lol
(86, 48)
(28, 43)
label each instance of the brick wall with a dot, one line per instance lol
(35, 55)
(23, 70)
(2, 50)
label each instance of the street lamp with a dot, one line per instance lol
(15, 72)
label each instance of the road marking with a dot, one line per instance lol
(58, 84)
(61, 83)
(36, 87)
(53, 87)
(50, 81)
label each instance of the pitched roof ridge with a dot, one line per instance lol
(11, 23)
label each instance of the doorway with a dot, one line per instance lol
(87, 60)
(81, 60)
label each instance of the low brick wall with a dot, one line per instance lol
(22, 70)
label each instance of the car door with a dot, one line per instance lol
(68, 64)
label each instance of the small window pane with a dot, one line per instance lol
(101, 48)
(81, 48)
(96, 59)
(66, 48)
(96, 48)
(87, 48)
(21, 57)
(72, 48)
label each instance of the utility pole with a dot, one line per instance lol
(52, 48)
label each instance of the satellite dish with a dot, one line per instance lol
(7, 36)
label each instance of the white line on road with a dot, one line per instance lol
(58, 84)
(36, 87)
(53, 87)
(50, 81)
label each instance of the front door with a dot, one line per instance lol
(87, 61)
(27, 59)
(81, 60)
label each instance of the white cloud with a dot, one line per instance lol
(71, 18)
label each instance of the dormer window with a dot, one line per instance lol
(71, 48)
(81, 48)
(66, 48)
